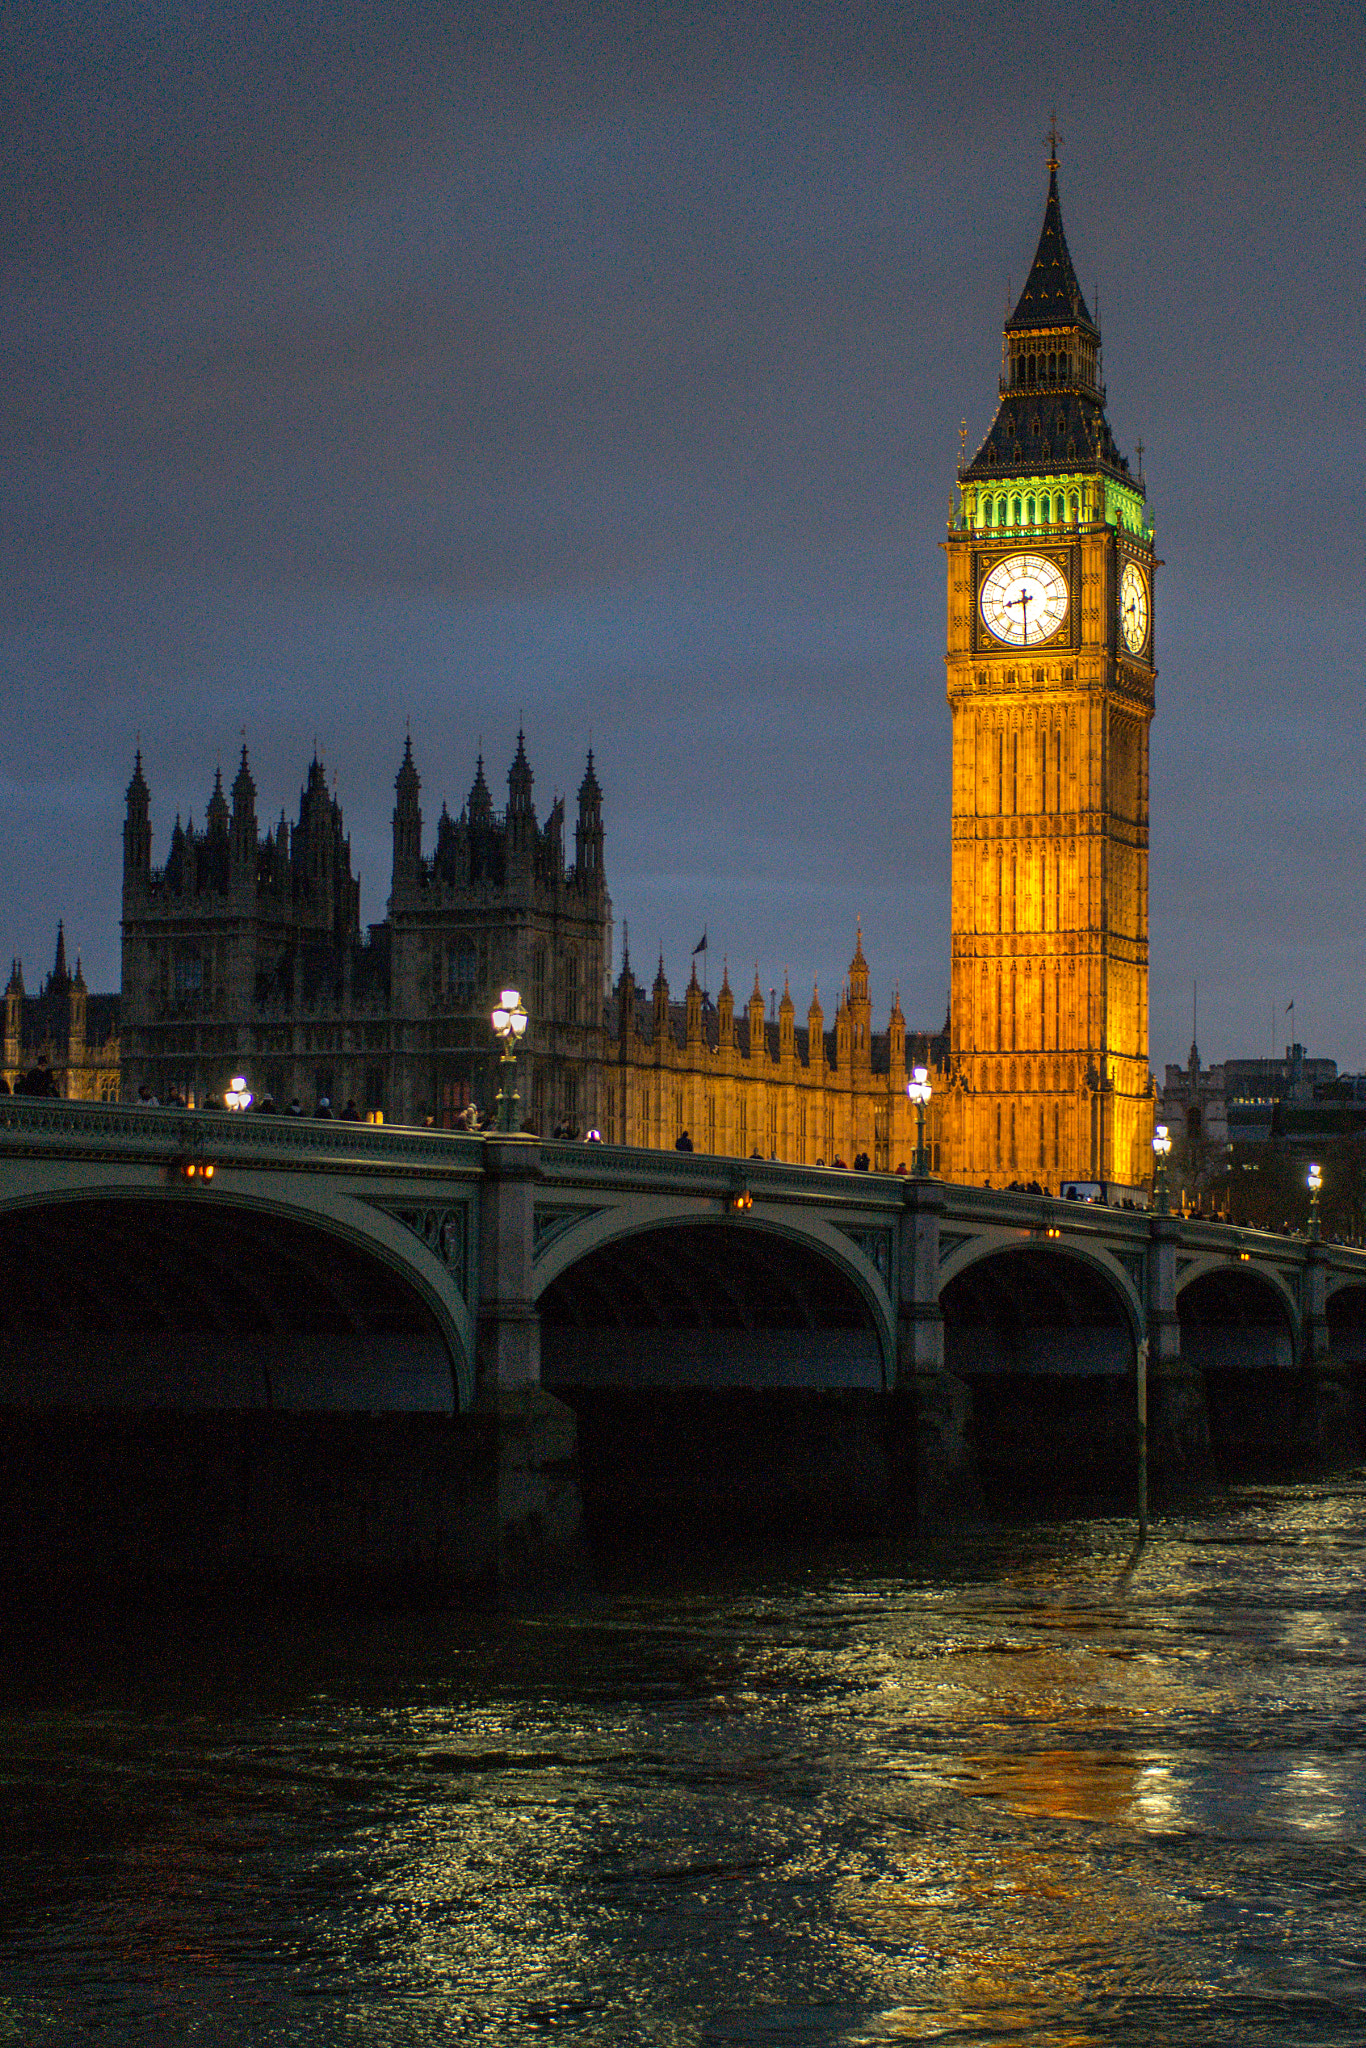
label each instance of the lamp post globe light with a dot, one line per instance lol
(1162, 1145)
(1315, 1179)
(237, 1095)
(919, 1090)
(509, 1022)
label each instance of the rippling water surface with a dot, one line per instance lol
(994, 1790)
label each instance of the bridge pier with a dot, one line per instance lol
(936, 1419)
(1178, 1417)
(1331, 1415)
(537, 1507)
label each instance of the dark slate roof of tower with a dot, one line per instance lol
(1045, 428)
(1052, 296)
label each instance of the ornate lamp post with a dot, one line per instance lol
(1315, 1183)
(509, 1021)
(1162, 1145)
(919, 1090)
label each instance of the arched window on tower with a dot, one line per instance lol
(1073, 508)
(1000, 511)
(1052, 368)
(1029, 511)
(1014, 511)
(986, 512)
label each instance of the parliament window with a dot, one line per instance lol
(189, 971)
(462, 969)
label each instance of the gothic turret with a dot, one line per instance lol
(243, 832)
(860, 1008)
(216, 815)
(815, 1030)
(787, 1023)
(59, 980)
(521, 813)
(626, 994)
(588, 832)
(725, 1007)
(14, 1013)
(661, 996)
(896, 1040)
(407, 822)
(479, 802)
(137, 832)
(844, 1032)
(77, 994)
(694, 1007)
(756, 1018)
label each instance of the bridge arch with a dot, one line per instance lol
(798, 1301)
(652, 1223)
(1045, 1336)
(149, 1296)
(1080, 1252)
(1236, 1314)
(1346, 1314)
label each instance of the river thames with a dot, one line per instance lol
(994, 1789)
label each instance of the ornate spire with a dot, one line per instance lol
(1052, 296)
(479, 803)
(520, 777)
(1051, 410)
(60, 977)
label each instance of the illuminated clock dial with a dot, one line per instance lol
(1024, 600)
(1133, 608)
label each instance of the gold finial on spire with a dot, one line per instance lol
(963, 439)
(1053, 138)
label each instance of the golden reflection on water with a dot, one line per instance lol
(981, 1802)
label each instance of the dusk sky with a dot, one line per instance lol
(602, 369)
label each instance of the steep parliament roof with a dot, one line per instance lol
(1052, 296)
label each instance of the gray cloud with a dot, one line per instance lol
(603, 368)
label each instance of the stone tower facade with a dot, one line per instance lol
(1051, 671)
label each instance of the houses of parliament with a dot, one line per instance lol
(244, 952)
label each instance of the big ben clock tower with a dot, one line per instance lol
(1050, 680)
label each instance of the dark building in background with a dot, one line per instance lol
(245, 953)
(63, 1041)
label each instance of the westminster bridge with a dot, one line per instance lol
(228, 1318)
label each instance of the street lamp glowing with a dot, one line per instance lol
(1162, 1145)
(237, 1095)
(1315, 1178)
(509, 1022)
(509, 1019)
(919, 1090)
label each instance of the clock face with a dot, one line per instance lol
(1133, 608)
(1024, 600)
